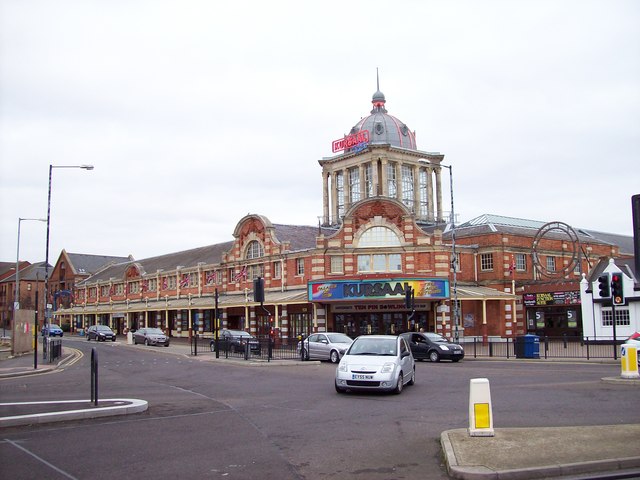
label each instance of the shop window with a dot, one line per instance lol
(300, 266)
(337, 264)
(551, 264)
(340, 193)
(424, 198)
(368, 180)
(407, 186)
(379, 237)
(354, 184)
(622, 317)
(486, 262)
(380, 262)
(256, 271)
(277, 269)
(391, 179)
(395, 262)
(134, 287)
(254, 250)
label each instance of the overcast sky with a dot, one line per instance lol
(196, 113)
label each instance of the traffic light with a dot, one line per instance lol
(604, 286)
(258, 290)
(408, 297)
(617, 292)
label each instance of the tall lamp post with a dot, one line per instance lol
(16, 300)
(46, 260)
(454, 257)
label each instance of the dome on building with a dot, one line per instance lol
(384, 128)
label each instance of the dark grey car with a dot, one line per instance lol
(432, 346)
(100, 333)
(150, 336)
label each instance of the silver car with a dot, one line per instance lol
(376, 362)
(150, 336)
(324, 346)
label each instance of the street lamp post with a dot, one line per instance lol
(46, 260)
(16, 300)
(454, 257)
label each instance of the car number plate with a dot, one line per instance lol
(359, 376)
(457, 353)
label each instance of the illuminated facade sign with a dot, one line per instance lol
(350, 141)
(393, 289)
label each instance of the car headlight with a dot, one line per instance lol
(388, 367)
(342, 367)
(444, 347)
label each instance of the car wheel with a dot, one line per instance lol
(434, 356)
(304, 356)
(455, 360)
(340, 389)
(146, 342)
(413, 377)
(398, 389)
(212, 347)
(334, 357)
(88, 338)
(113, 339)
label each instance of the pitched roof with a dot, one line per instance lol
(33, 272)
(188, 258)
(300, 237)
(489, 223)
(85, 264)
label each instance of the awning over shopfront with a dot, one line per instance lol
(465, 292)
(186, 303)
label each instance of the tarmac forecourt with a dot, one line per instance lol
(611, 451)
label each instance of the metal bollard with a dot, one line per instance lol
(94, 376)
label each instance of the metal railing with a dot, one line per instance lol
(51, 349)
(259, 349)
(549, 347)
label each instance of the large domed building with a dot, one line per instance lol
(380, 159)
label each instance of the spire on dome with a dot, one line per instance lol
(378, 100)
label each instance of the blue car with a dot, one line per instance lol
(53, 330)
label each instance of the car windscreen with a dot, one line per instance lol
(155, 331)
(103, 328)
(338, 338)
(374, 346)
(434, 337)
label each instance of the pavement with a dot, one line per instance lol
(575, 453)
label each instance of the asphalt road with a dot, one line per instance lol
(214, 420)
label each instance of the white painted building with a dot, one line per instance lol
(597, 313)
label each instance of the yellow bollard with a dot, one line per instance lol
(480, 410)
(629, 361)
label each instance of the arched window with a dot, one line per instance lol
(254, 250)
(379, 261)
(379, 237)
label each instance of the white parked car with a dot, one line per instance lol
(376, 362)
(324, 346)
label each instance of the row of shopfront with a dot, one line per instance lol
(353, 307)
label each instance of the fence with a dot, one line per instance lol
(550, 347)
(264, 349)
(51, 349)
